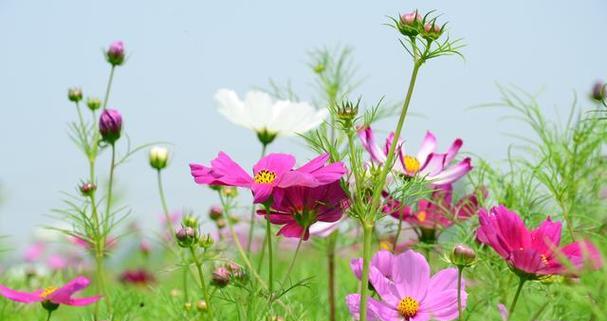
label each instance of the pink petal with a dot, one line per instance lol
(229, 171)
(581, 253)
(315, 164)
(63, 295)
(383, 261)
(427, 147)
(376, 311)
(83, 301)
(453, 173)
(18, 296)
(443, 306)
(368, 141)
(455, 147)
(261, 192)
(357, 267)
(434, 165)
(276, 163)
(546, 236)
(411, 273)
(293, 230)
(527, 260)
(384, 287)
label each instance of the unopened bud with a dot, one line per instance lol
(215, 213)
(347, 111)
(229, 191)
(599, 91)
(93, 103)
(190, 221)
(206, 241)
(110, 125)
(410, 24)
(432, 31)
(266, 137)
(221, 277)
(115, 53)
(319, 68)
(186, 236)
(87, 189)
(221, 223)
(462, 255)
(201, 305)
(159, 157)
(74, 94)
(187, 306)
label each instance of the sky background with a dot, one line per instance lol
(181, 52)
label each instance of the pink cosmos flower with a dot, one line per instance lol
(534, 253)
(272, 171)
(407, 291)
(434, 215)
(53, 295)
(34, 252)
(297, 208)
(435, 167)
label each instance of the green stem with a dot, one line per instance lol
(460, 270)
(203, 284)
(185, 282)
(364, 282)
(110, 184)
(262, 254)
(290, 269)
(270, 258)
(515, 299)
(48, 318)
(332, 240)
(109, 87)
(252, 222)
(165, 208)
(400, 226)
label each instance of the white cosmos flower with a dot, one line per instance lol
(261, 113)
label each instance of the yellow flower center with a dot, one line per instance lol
(48, 291)
(265, 177)
(421, 216)
(412, 165)
(408, 307)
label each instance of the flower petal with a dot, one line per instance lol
(411, 273)
(64, 294)
(18, 296)
(368, 141)
(427, 147)
(376, 311)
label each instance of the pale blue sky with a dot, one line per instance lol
(180, 52)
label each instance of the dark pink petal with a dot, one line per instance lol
(511, 228)
(83, 301)
(18, 296)
(455, 147)
(427, 147)
(294, 230)
(583, 254)
(203, 175)
(315, 164)
(261, 192)
(368, 141)
(411, 273)
(468, 206)
(229, 172)
(276, 163)
(487, 233)
(527, 260)
(546, 237)
(64, 294)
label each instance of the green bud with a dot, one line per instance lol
(206, 241)
(266, 137)
(159, 157)
(462, 256)
(93, 103)
(74, 94)
(190, 221)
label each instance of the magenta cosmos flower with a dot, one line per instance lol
(52, 295)
(435, 167)
(406, 290)
(534, 253)
(434, 215)
(297, 208)
(272, 171)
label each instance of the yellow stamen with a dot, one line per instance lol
(408, 307)
(265, 177)
(421, 216)
(48, 291)
(412, 165)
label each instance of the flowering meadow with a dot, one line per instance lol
(368, 228)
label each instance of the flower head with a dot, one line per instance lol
(53, 295)
(110, 125)
(158, 157)
(272, 171)
(433, 166)
(599, 91)
(115, 53)
(434, 215)
(407, 291)
(267, 117)
(137, 277)
(534, 253)
(74, 94)
(410, 24)
(93, 103)
(297, 208)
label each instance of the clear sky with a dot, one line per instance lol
(180, 52)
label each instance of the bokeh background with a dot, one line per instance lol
(180, 52)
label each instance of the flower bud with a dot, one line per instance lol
(186, 236)
(115, 53)
(206, 241)
(74, 94)
(346, 112)
(221, 223)
(319, 68)
(201, 305)
(87, 189)
(432, 31)
(174, 293)
(229, 191)
(110, 125)
(462, 255)
(599, 91)
(215, 213)
(93, 103)
(236, 270)
(145, 248)
(159, 157)
(221, 277)
(190, 221)
(187, 306)
(410, 24)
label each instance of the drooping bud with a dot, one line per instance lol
(87, 189)
(462, 255)
(201, 305)
(93, 103)
(110, 125)
(186, 236)
(432, 31)
(215, 213)
(159, 157)
(410, 24)
(115, 53)
(74, 94)
(221, 277)
(599, 91)
(206, 241)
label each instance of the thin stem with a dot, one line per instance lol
(290, 269)
(270, 259)
(515, 299)
(460, 270)
(332, 240)
(364, 287)
(252, 221)
(203, 284)
(400, 226)
(110, 184)
(165, 208)
(262, 254)
(185, 283)
(48, 318)
(109, 87)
